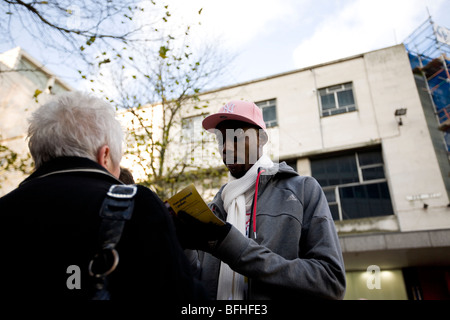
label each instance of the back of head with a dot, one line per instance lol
(74, 124)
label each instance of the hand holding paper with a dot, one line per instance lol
(196, 226)
(190, 201)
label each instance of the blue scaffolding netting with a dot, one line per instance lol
(429, 56)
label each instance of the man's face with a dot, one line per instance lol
(240, 145)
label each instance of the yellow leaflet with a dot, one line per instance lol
(190, 201)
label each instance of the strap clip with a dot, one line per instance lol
(120, 191)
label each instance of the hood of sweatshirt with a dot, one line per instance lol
(277, 171)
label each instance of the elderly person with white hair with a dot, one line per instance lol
(52, 232)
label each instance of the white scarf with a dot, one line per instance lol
(231, 284)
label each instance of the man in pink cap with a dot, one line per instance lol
(239, 122)
(279, 240)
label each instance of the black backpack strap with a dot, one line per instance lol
(117, 208)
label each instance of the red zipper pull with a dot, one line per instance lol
(256, 202)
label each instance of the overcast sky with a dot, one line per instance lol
(274, 36)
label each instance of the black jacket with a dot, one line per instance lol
(52, 222)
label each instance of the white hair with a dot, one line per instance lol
(74, 124)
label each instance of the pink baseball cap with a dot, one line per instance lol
(236, 110)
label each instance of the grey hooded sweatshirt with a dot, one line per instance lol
(296, 253)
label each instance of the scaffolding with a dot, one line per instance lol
(428, 48)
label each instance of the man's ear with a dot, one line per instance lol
(263, 138)
(103, 157)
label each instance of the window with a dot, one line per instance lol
(33, 73)
(337, 99)
(57, 88)
(354, 184)
(192, 130)
(269, 111)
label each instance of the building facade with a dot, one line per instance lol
(359, 126)
(25, 84)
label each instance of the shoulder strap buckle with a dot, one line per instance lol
(122, 191)
(116, 209)
(119, 202)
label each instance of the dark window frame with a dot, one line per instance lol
(334, 104)
(269, 104)
(334, 192)
(192, 125)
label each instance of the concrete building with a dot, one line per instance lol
(359, 126)
(25, 84)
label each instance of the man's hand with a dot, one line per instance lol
(194, 234)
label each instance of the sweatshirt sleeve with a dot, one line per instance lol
(318, 273)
